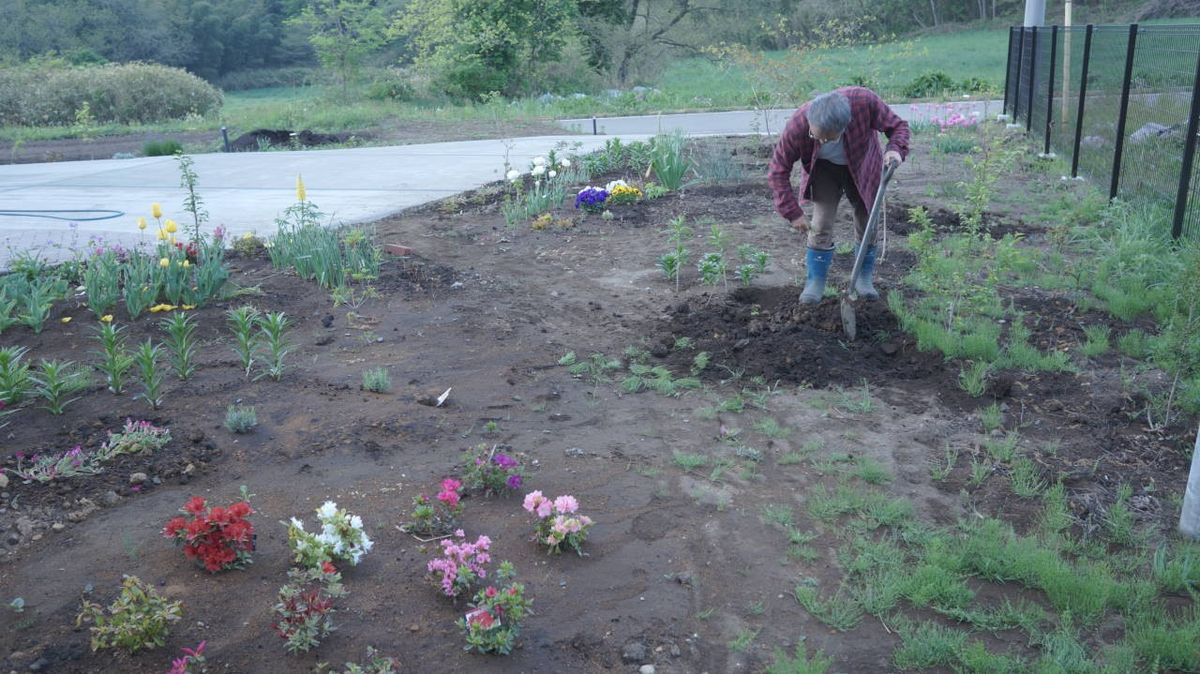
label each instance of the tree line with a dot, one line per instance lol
(466, 48)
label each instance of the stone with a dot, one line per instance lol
(39, 665)
(58, 526)
(3, 480)
(633, 651)
(24, 526)
(111, 497)
(138, 478)
(414, 628)
(13, 538)
(399, 250)
(1149, 130)
(646, 669)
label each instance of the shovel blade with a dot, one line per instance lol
(849, 319)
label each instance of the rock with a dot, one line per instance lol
(24, 526)
(58, 526)
(1149, 130)
(13, 538)
(1094, 142)
(675, 652)
(646, 669)
(574, 451)
(397, 249)
(633, 651)
(111, 498)
(414, 628)
(189, 469)
(196, 437)
(138, 478)
(3, 480)
(889, 348)
(36, 537)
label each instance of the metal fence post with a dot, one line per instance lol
(1017, 83)
(1087, 57)
(1008, 68)
(1116, 168)
(1032, 78)
(1189, 154)
(1050, 87)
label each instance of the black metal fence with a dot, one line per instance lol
(1121, 101)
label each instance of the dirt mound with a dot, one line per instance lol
(260, 138)
(767, 332)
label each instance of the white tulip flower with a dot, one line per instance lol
(539, 161)
(538, 170)
(553, 173)
(513, 174)
(616, 183)
(564, 163)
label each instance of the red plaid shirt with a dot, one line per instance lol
(868, 116)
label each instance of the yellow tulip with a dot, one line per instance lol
(186, 264)
(66, 319)
(300, 191)
(164, 263)
(106, 318)
(156, 209)
(141, 223)
(188, 307)
(162, 235)
(171, 227)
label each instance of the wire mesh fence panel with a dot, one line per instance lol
(1102, 107)
(1068, 73)
(1041, 78)
(1025, 70)
(1160, 98)
(1012, 73)
(1191, 216)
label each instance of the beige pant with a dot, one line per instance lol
(829, 182)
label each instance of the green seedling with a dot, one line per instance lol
(55, 381)
(146, 358)
(181, 341)
(15, 381)
(273, 328)
(376, 380)
(115, 358)
(242, 322)
(240, 418)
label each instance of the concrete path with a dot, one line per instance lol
(246, 191)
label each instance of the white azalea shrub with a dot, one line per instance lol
(341, 538)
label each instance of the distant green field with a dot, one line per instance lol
(687, 84)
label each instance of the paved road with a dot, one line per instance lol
(246, 191)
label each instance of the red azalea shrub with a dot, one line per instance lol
(218, 539)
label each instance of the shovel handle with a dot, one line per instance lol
(869, 230)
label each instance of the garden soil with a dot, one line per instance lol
(680, 564)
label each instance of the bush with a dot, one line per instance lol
(376, 380)
(127, 93)
(161, 148)
(928, 84)
(139, 618)
(241, 418)
(389, 85)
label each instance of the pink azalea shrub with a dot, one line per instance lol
(460, 565)
(559, 523)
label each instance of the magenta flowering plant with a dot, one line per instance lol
(44, 468)
(492, 471)
(559, 523)
(437, 516)
(461, 564)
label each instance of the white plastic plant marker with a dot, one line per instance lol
(442, 398)
(1189, 519)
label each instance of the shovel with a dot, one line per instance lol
(849, 295)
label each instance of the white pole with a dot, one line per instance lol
(1035, 12)
(1189, 519)
(1066, 73)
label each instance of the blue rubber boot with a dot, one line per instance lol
(864, 285)
(817, 264)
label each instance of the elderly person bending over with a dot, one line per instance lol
(835, 136)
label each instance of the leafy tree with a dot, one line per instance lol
(344, 33)
(475, 48)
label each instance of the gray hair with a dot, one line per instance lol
(829, 112)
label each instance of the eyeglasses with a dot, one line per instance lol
(825, 140)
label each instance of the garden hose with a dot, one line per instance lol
(47, 214)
